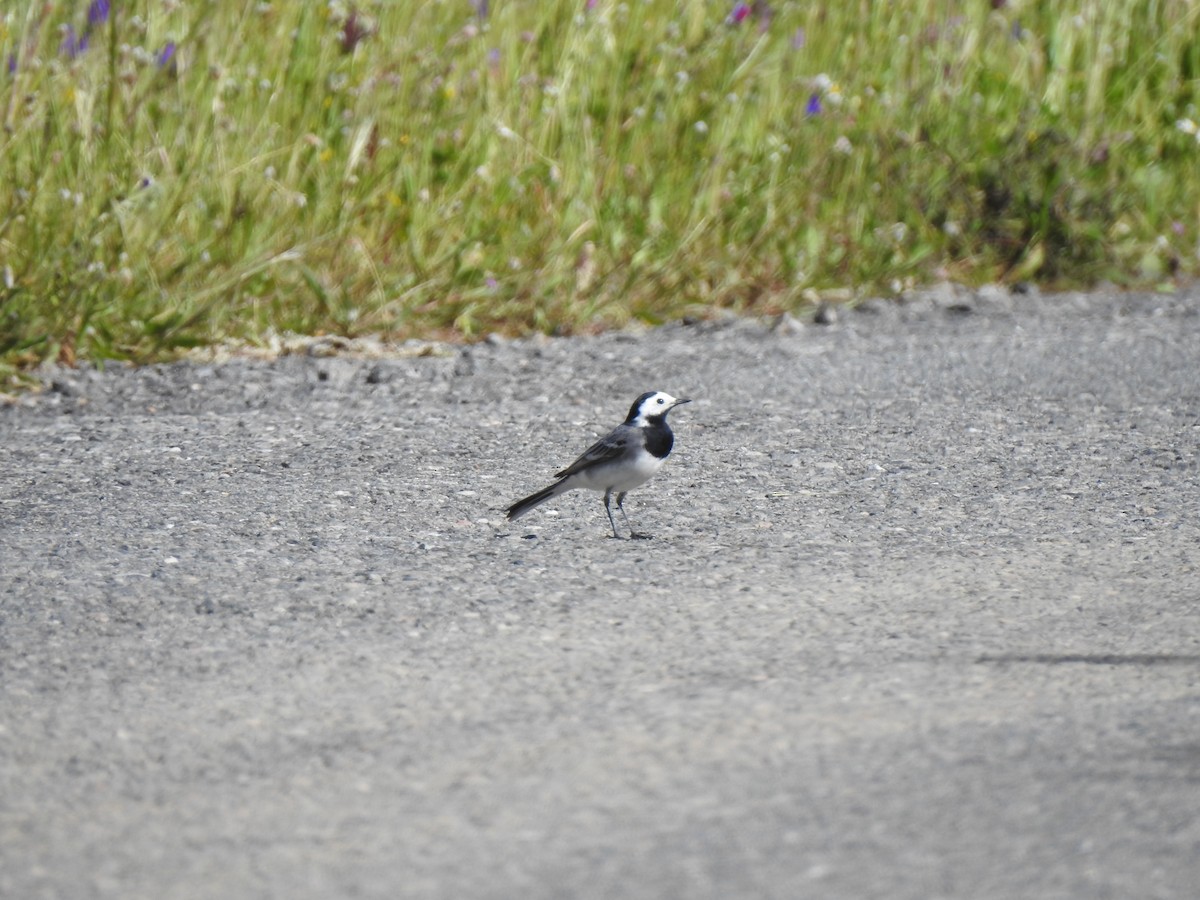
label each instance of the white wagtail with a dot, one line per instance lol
(621, 461)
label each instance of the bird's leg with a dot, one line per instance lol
(633, 535)
(621, 507)
(608, 509)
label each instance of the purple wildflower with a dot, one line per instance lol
(813, 107)
(355, 31)
(72, 44)
(166, 56)
(590, 5)
(763, 12)
(759, 10)
(799, 39)
(481, 8)
(12, 64)
(97, 13)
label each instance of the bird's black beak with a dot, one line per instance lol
(681, 402)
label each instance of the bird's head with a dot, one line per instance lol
(650, 406)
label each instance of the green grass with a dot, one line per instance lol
(417, 169)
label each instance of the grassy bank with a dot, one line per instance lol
(174, 173)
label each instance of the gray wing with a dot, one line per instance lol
(609, 447)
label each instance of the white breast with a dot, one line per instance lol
(624, 475)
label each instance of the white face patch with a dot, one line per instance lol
(655, 405)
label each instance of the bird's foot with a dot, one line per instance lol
(640, 536)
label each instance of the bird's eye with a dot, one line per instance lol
(660, 401)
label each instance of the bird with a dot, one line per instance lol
(620, 461)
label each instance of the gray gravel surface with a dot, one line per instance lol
(921, 618)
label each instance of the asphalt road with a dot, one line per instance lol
(921, 617)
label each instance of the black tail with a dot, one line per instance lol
(523, 506)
